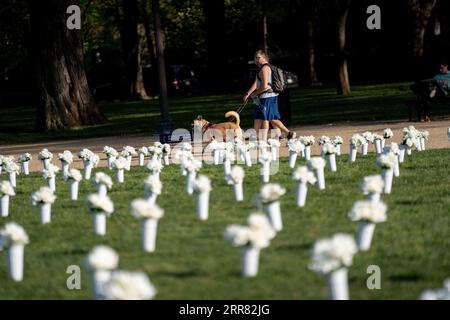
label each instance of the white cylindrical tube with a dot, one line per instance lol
(203, 205)
(378, 148)
(102, 189)
(73, 189)
(383, 142)
(249, 261)
(396, 168)
(401, 156)
(320, 176)
(45, 213)
(4, 200)
(226, 167)
(45, 163)
(332, 162)
(99, 219)
(274, 152)
(238, 191)
(353, 152)
(408, 151)
(128, 167)
(15, 261)
(338, 150)
(301, 192)
(190, 178)
(387, 175)
(338, 284)
(248, 159)
(151, 198)
(307, 153)
(141, 159)
(156, 174)
(292, 158)
(149, 230)
(120, 175)
(422, 144)
(265, 172)
(166, 159)
(26, 168)
(52, 183)
(274, 212)
(365, 235)
(216, 157)
(110, 160)
(12, 178)
(65, 168)
(87, 170)
(364, 149)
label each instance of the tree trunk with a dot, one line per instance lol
(148, 34)
(421, 11)
(131, 47)
(312, 24)
(342, 13)
(65, 100)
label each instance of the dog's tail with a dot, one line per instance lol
(235, 115)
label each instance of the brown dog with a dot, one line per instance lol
(213, 130)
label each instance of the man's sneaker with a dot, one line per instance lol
(291, 135)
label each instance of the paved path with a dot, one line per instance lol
(438, 139)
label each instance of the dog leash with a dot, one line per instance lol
(242, 106)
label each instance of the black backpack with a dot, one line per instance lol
(279, 78)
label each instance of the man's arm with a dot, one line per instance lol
(250, 91)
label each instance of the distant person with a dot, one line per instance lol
(266, 100)
(431, 89)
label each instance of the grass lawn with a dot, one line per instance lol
(193, 261)
(309, 105)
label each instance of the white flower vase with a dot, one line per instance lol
(190, 178)
(15, 261)
(249, 261)
(292, 159)
(401, 155)
(26, 168)
(301, 192)
(120, 175)
(248, 159)
(4, 201)
(332, 162)
(274, 152)
(128, 167)
(1, 169)
(99, 219)
(141, 159)
(110, 160)
(338, 284)
(203, 205)
(45, 164)
(374, 197)
(396, 168)
(87, 170)
(320, 176)
(102, 189)
(265, 172)
(378, 147)
(151, 197)
(45, 213)
(238, 191)
(338, 150)
(422, 144)
(274, 212)
(387, 175)
(383, 143)
(65, 168)
(12, 178)
(308, 153)
(73, 189)
(226, 167)
(353, 152)
(99, 278)
(52, 183)
(364, 149)
(241, 156)
(365, 235)
(408, 151)
(166, 161)
(149, 228)
(216, 157)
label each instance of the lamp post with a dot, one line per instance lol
(165, 124)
